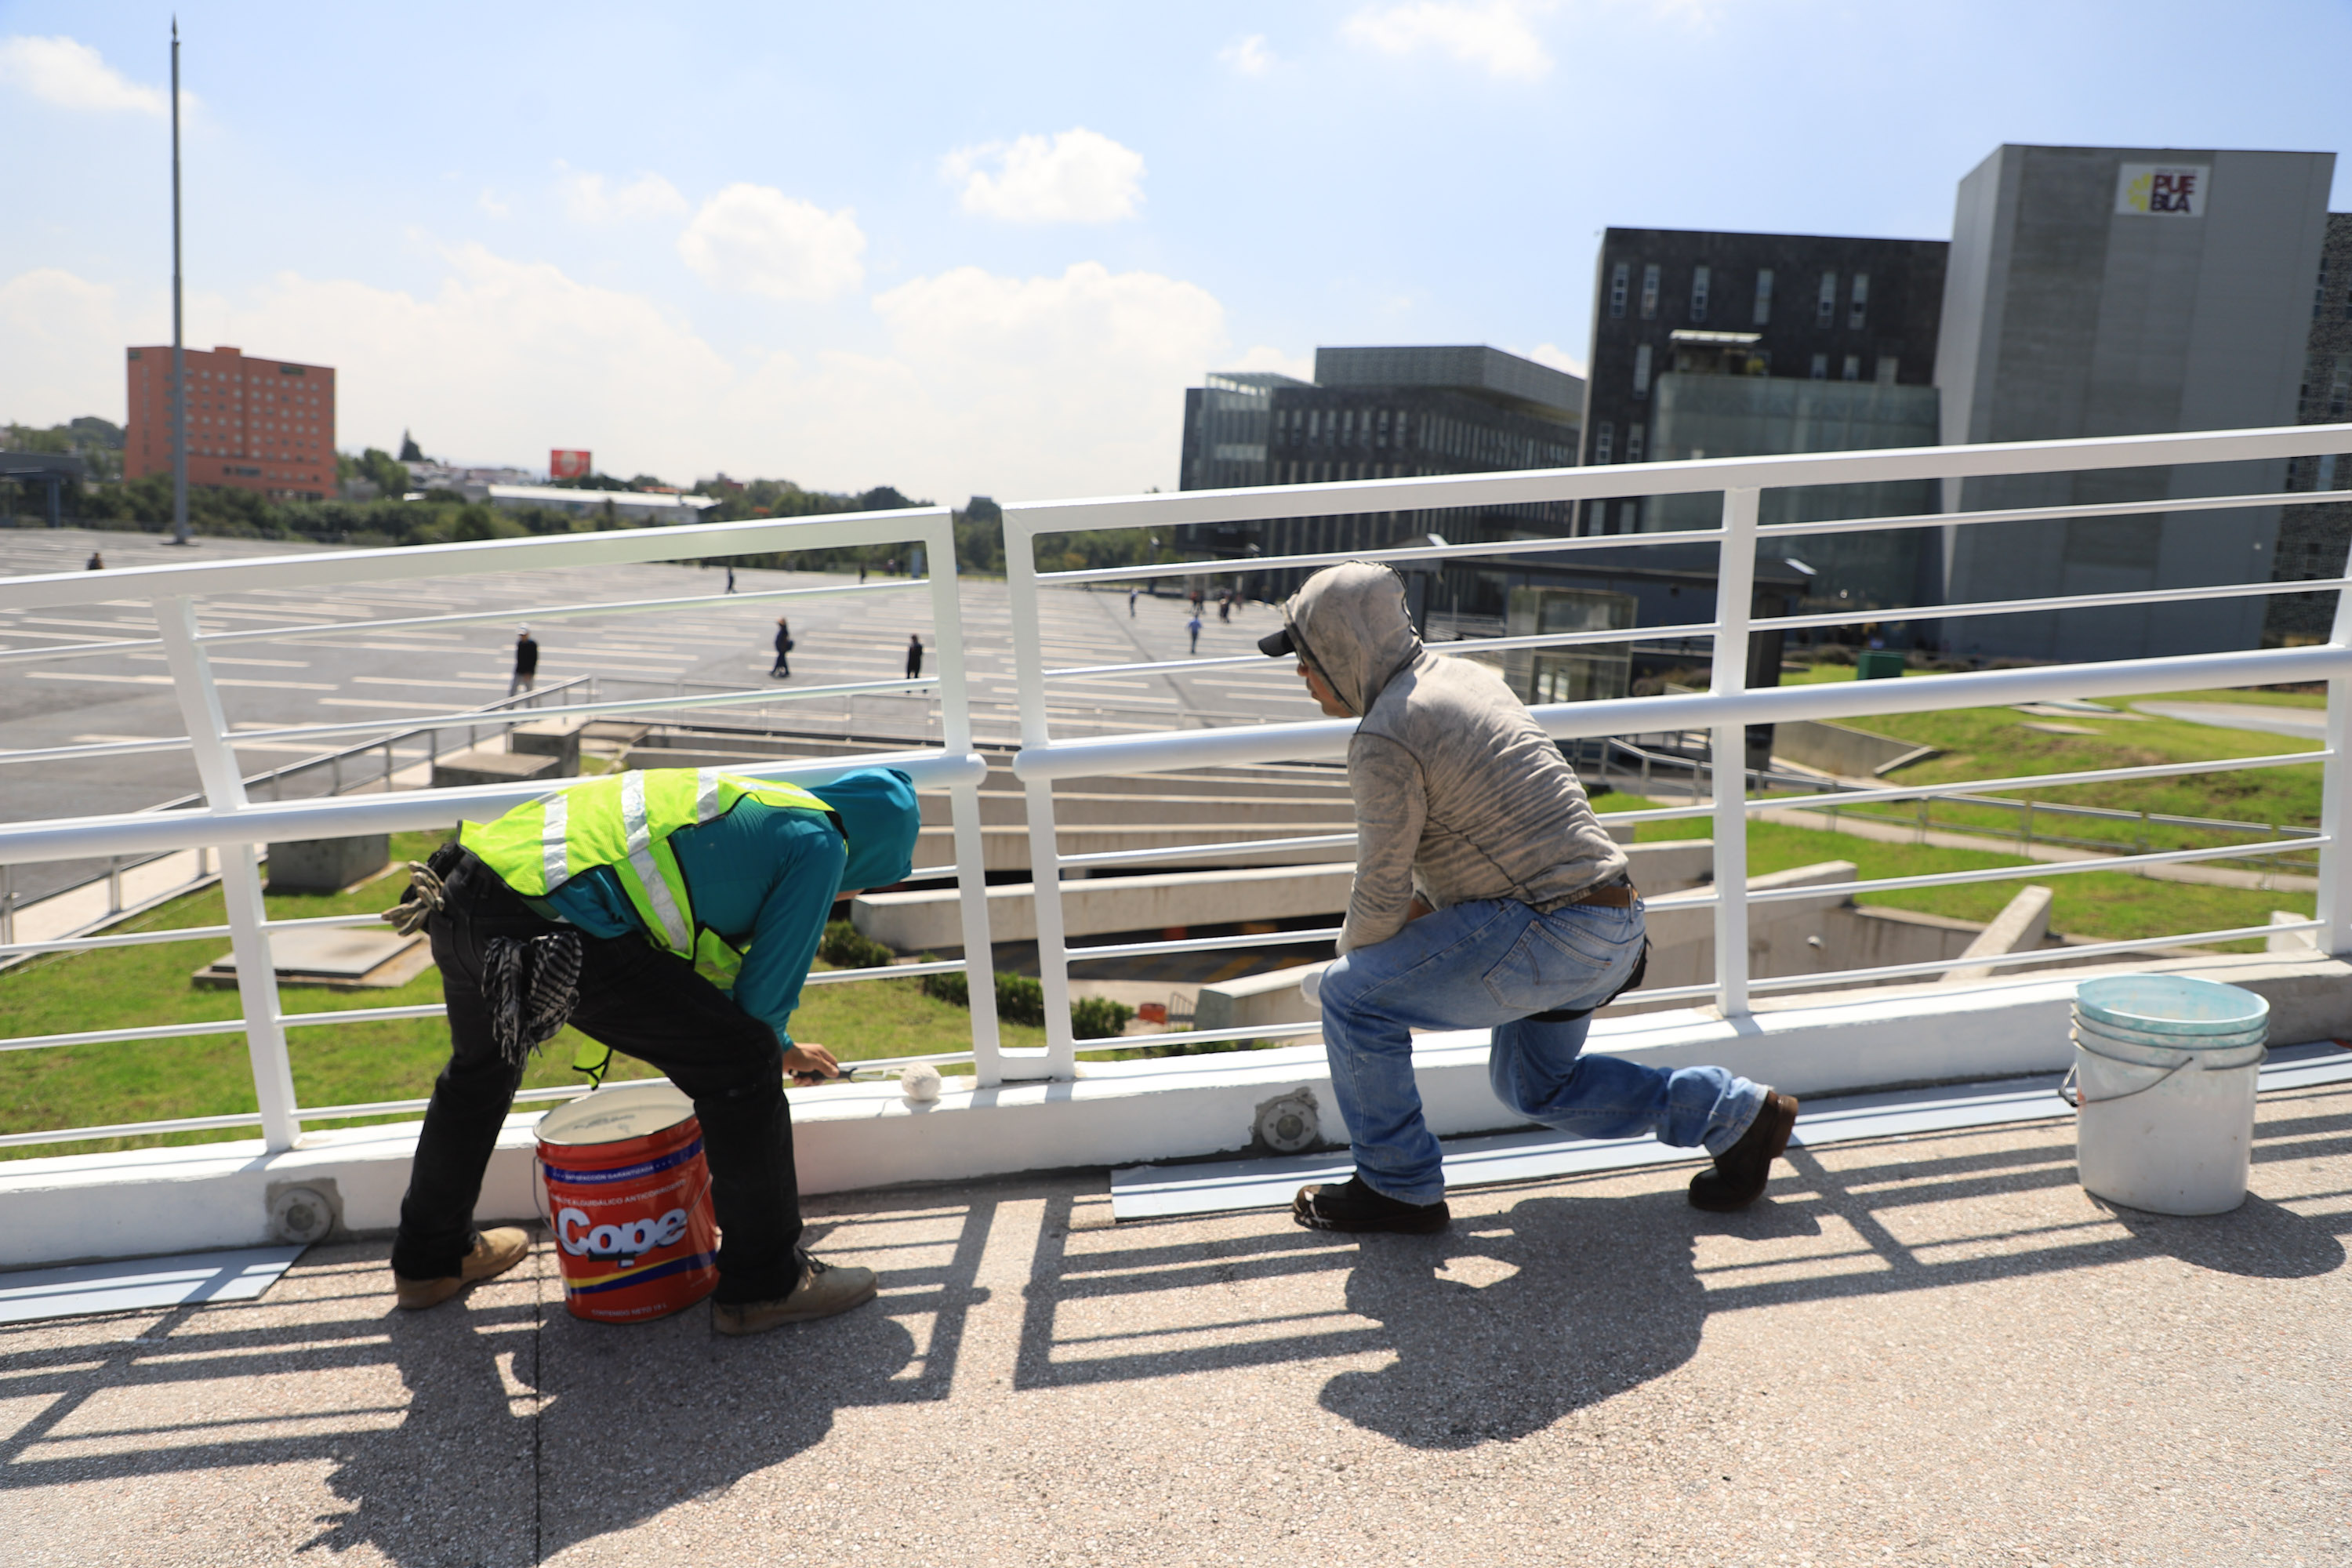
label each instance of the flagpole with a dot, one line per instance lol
(179, 345)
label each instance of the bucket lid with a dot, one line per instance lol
(616, 1115)
(2165, 1058)
(2171, 1005)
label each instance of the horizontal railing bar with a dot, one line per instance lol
(112, 1037)
(888, 971)
(2043, 514)
(478, 716)
(2033, 869)
(1194, 851)
(1458, 646)
(1205, 943)
(2059, 602)
(401, 811)
(1400, 552)
(619, 547)
(2117, 814)
(1168, 751)
(131, 1130)
(77, 651)
(1961, 789)
(361, 1015)
(2037, 956)
(1027, 519)
(1200, 1036)
(176, 933)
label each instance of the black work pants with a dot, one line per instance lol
(638, 1000)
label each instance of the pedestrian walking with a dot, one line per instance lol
(97, 563)
(730, 576)
(526, 669)
(783, 665)
(1131, 602)
(1194, 626)
(1225, 605)
(914, 657)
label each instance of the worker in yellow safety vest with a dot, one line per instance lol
(671, 914)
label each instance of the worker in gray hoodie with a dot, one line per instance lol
(1486, 896)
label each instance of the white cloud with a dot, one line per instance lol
(1076, 176)
(755, 240)
(1555, 356)
(586, 199)
(490, 202)
(72, 75)
(1249, 55)
(66, 337)
(1493, 34)
(1019, 387)
(1263, 356)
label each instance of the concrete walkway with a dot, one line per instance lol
(1935, 1349)
(2302, 723)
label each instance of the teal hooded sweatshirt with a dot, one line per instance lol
(768, 876)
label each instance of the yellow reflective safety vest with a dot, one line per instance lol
(624, 821)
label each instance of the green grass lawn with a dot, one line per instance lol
(1994, 742)
(2107, 906)
(356, 1064)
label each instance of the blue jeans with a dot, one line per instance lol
(1489, 965)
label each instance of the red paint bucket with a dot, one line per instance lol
(627, 1196)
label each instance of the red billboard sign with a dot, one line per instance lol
(562, 464)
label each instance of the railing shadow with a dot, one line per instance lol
(1506, 1323)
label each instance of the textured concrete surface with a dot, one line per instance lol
(1927, 1351)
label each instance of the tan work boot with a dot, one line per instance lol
(493, 1253)
(825, 1288)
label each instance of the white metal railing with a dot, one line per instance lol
(1725, 710)
(235, 823)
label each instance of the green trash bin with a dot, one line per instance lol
(1878, 664)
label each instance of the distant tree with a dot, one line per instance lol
(380, 468)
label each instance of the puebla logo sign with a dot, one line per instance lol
(2163, 190)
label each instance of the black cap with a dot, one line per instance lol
(1277, 644)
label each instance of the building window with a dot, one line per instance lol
(1642, 371)
(1619, 282)
(1821, 367)
(1698, 293)
(1650, 292)
(1825, 313)
(1854, 367)
(1634, 434)
(2338, 394)
(1858, 303)
(1629, 517)
(2327, 472)
(1604, 442)
(1889, 368)
(1764, 297)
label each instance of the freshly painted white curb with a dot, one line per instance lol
(855, 1136)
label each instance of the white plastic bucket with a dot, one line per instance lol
(2165, 1075)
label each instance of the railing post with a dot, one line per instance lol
(256, 977)
(1045, 844)
(1735, 588)
(963, 805)
(2334, 934)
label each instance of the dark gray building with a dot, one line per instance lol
(2312, 539)
(2119, 292)
(1779, 306)
(1375, 414)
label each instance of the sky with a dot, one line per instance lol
(968, 250)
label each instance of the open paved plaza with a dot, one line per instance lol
(320, 680)
(1935, 1349)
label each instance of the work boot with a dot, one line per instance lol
(825, 1288)
(492, 1253)
(1352, 1207)
(1741, 1171)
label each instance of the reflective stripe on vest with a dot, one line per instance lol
(624, 821)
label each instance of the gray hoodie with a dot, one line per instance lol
(1459, 794)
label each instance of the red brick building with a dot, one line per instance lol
(256, 424)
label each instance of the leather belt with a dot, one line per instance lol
(1617, 895)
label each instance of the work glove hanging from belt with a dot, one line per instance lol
(426, 894)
